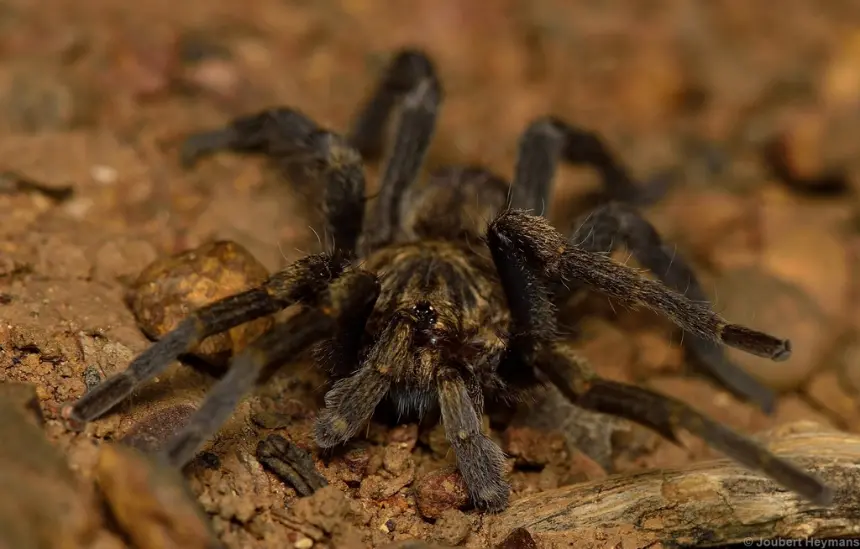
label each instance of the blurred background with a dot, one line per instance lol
(750, 108)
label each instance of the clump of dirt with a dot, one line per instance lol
(98, 96)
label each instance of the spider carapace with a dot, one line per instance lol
(447, 293)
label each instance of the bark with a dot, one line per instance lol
(704, 504)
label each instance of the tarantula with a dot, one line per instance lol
(433, 307)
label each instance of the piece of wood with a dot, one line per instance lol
(705, 504)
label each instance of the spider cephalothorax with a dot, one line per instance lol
(449, 291)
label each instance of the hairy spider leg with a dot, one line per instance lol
(352, 295)
(459, 201)
(548, 140)
(533, 240)
(276, 132)
(666, 416)
(612, 225)
(545, 143)
(531, 255)
(351, 401)
(480, 460)
(411, 87)
(292, 135)
(295, 141)
(303, 281)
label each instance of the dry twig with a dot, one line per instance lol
(705, 504)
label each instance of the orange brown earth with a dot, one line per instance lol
(752, 110)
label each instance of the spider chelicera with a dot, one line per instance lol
(448, 293)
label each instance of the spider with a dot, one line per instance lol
(429, 306)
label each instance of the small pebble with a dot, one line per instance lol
(534, 448)
(304, 543)
(104, 175)
(519, 538)
(439, 491)
(406, 435)
(452, 527)
(170, 287)
(397, 459)
(92, 377)
(356, 460)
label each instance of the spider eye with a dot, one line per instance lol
(425, 315)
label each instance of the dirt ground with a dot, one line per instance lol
(750, 109)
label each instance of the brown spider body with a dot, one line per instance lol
(450, 291)
(454, 304)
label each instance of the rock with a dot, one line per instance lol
(207, 65)
(329, 511)
(769, 303)
(151, 502)
(43, 504)
(58, 255)
(582, 468)
(170, 288)
(452, 527)
(397, 459)
(22, 397)
(533, 447)
(379, 486)
(404, 435)
(219, 78)
(355, 461)
(519, 538)
(439, 491)
(143, 63)
(437, 440)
